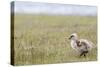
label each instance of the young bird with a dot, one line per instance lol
(83, 46)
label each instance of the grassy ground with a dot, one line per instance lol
(43, 39)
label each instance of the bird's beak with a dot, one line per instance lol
(69, 38)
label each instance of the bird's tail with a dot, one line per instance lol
(93, 46)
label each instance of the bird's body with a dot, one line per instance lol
(82, 46)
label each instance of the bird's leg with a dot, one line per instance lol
(81, 54)
(84, 55)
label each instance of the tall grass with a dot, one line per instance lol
(42, 39)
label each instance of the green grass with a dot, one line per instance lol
(42, 39)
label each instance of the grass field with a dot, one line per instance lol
(42, 39)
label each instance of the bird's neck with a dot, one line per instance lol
(76, 42)
(73, 44)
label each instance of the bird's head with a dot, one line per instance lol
(73, 36)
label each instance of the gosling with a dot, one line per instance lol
(83, 46)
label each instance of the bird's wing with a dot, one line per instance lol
(86, 43)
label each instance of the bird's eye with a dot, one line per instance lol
(72, 36)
